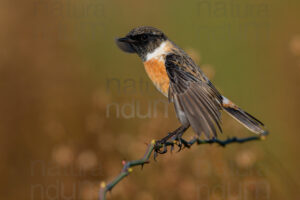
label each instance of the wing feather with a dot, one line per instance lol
(192, 94)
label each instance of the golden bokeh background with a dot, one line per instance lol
(73, 106)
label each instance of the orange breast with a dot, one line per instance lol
(156, 71)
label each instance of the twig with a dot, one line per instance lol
(154, 146)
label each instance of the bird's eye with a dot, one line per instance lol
(144, 37)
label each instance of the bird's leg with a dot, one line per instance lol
(176, 135)
(177, 132)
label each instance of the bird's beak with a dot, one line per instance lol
(125, 44)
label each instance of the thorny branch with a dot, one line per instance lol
(156, 148)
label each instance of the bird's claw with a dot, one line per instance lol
(161, 145)
(157, 149)
(180, 142)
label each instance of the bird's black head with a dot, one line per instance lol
(141, 40)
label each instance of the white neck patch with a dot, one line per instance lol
(158, 52)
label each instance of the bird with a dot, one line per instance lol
(197, 102)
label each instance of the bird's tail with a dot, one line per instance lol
(243, 117)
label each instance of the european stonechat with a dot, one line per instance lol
(197, 102)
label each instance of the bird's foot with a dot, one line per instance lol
(160, 148)
(180, 142)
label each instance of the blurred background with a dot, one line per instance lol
(73, 106)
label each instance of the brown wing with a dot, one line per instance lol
(193, 95)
